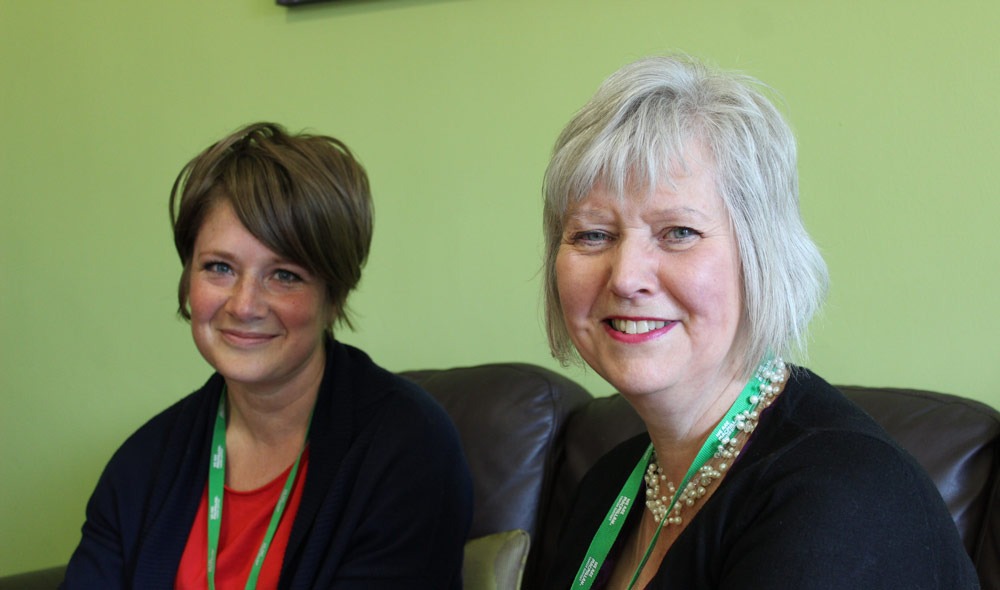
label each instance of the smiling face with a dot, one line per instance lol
(650, 286)
(257, 318)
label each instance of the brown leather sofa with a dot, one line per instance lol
(530, 435)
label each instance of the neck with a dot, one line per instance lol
(680, 419)
(267, 423)
(273, 417)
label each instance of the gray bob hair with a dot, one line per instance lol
(637, 128)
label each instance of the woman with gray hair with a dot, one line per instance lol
(679, 269)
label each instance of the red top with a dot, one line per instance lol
(245, 518)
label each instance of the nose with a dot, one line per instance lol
(633, 269)
(246, 301)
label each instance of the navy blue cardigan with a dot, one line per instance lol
(387, 500)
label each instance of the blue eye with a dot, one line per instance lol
(217, 267)
(681, 234)
(287, 276)
(590, 237)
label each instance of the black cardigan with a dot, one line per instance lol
(820, 498)
(387, 500)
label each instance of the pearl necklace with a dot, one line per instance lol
(773, 376)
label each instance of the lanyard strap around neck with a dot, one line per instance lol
(216, 487)
(612, 524)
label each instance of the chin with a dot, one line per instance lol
(636, 380)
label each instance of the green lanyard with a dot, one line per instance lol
(216, 485)
(606, 534)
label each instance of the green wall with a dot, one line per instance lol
(453, 106)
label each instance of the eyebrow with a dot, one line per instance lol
(273, 260)
(674, 212)
(595, 214)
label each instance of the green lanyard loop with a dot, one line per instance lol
(216, 487)
(613, 522)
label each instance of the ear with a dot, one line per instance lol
(330, 315)
(184, 293)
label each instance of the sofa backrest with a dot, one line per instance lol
(509, 417)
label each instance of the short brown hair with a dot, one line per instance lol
(303, 196)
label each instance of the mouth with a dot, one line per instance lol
(634, 327)
(245, 338)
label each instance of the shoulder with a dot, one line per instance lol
(834, 467)
(598, 489)
(364, 408)
(380, 397)
(148, 488)
(811, 401)
(379, 443)
(144, 449)
(811, 417)
(823, 487)
(815, 438)
(615, 465)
